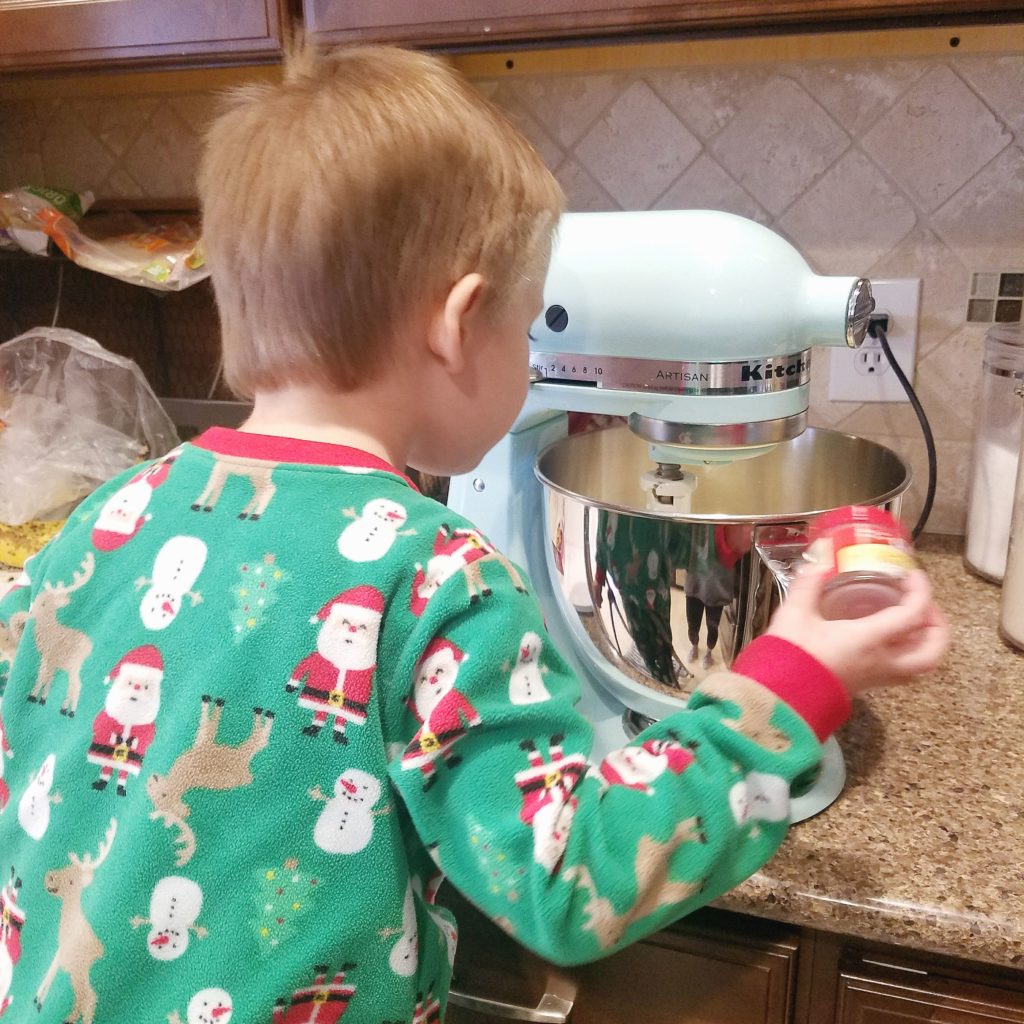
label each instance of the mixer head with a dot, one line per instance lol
(697, 325)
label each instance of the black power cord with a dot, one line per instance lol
(876, 328)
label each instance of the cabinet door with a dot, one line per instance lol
(472, 22)
(863, 999)
(691, 976)
(91, 32)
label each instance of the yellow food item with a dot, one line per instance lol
(19, 543)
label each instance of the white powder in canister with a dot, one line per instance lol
(991, 505)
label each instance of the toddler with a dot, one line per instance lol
(247, 729)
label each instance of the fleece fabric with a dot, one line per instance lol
(261, 695)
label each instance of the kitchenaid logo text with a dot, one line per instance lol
(773, 371)
(685, 376)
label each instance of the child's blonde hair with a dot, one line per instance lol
(350, 198)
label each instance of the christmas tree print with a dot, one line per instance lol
(257, 590)
(283, 896)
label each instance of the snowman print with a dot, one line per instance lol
(759, 797)
(346, 823)
(175, 570)
(404, 954)
(373, 531)
(526, 683)
(173, 911)
(208, 1006)
(34, 806)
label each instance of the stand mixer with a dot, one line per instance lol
(697, 327)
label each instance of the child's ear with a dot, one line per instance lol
(451, 326)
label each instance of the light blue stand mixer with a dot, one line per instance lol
(697, 326)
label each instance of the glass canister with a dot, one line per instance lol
(1011, 605)
(996, 453)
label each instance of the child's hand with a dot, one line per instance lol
(886, 648)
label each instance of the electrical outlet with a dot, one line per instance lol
(864, 374)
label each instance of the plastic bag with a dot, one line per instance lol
(163, 251)
(72, 415)
(24, 211)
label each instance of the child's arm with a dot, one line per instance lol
(576, 859)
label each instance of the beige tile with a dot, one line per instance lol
(984, 222)
(638, 148)
(116, 121)
(779, 144)
(583, 194)
(567, 105)
(1000, 83)
(121, 185)
(21, 126)
(706, 100)
(936, 138)
(196, 109)
(944, 284)
(20, 167)
(857, 93)
(705, 185)
(850, 218)
(72, 155)
(164, 158)
(510, 101)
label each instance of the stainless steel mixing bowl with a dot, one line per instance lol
(648, 588)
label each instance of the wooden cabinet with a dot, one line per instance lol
(37, 34)
(478, 22)
(721, 968)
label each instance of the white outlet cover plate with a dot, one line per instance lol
(901, 299)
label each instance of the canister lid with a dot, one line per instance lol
(1004, 350)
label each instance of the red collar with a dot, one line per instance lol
(272, 448)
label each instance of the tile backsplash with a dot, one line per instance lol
(885, 168)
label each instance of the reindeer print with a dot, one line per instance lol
(207, 764)
(78, 947)
(756, 706)
(257, 472)
(654, 890)
(60, 647)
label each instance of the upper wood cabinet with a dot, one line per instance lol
(36, 35)
(477, 22)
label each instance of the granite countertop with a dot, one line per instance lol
(925, 846)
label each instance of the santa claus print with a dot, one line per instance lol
(323, 1002)
(337, 678)
(124, 513)
(444, 714)
(453, 551)
(124, 729)
(638, 767)
(12, 920)
(526, 681)
(173, 911)
(372, 532)
(175, 570)
(549, 805)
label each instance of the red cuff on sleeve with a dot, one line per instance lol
(794, 676)
(727, 555)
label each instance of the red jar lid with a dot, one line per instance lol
(859, 524)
